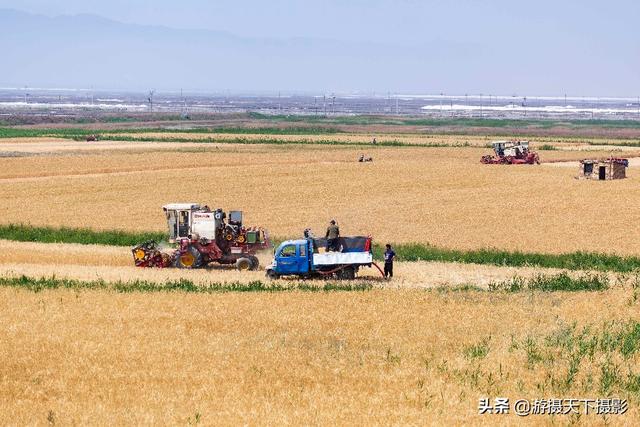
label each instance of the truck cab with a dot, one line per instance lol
(293, 257)
(302, 258)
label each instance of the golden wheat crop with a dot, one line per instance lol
(379, 357)
(442, 196)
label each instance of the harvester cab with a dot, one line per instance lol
(179, 219)
(515, 149)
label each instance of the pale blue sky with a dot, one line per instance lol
(405, 21)
(585, 46)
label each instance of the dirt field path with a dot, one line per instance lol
(17, 147)
(111, 263)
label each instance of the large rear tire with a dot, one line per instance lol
(191, 258)
(243, 264)
(255, 262)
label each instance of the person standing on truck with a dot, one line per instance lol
(333, 237)
(389, 256)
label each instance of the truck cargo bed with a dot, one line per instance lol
(338, 258)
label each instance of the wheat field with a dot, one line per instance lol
(442, 196)
(416, 350)
(379, 357)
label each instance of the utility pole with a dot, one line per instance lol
(333, 104)
(397, 111)
(150, 99)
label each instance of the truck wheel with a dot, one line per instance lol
(272, 274)
(255, 263)
(191, 258)
(243, 264)
(347, 273)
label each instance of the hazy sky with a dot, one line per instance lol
(570, 36)
(401, 21)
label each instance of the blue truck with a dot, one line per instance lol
(306, 258)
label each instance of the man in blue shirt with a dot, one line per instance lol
(389, 256)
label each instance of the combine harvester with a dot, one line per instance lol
(302, 258)
(511, 153)
(203, 236)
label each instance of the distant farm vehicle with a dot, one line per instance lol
(303, 258)
(203, 236)
(92, 138)
(511, 153)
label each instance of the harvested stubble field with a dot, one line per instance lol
(111, 263)
(415, 350)
(443, 196)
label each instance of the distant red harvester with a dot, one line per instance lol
(511, 153)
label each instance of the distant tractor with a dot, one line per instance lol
(204, 236)
(511, 153)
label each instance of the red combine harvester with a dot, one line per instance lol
(203, 236)
(511, 153)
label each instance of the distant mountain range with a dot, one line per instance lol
(87, 50)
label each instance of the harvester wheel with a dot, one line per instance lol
(241, 239)
(191, 258)
(139, 254)
(272, 274)
(255, 262)
(243, 264)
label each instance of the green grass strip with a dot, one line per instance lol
(449, 122)
(28, 233)
(570, 261)
(553, 283)
(79, 133)
(183, 285)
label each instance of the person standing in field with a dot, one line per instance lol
(389, 256)
(333, 237)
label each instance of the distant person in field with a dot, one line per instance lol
(333, 237)
(374, 142)
(389, 256)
